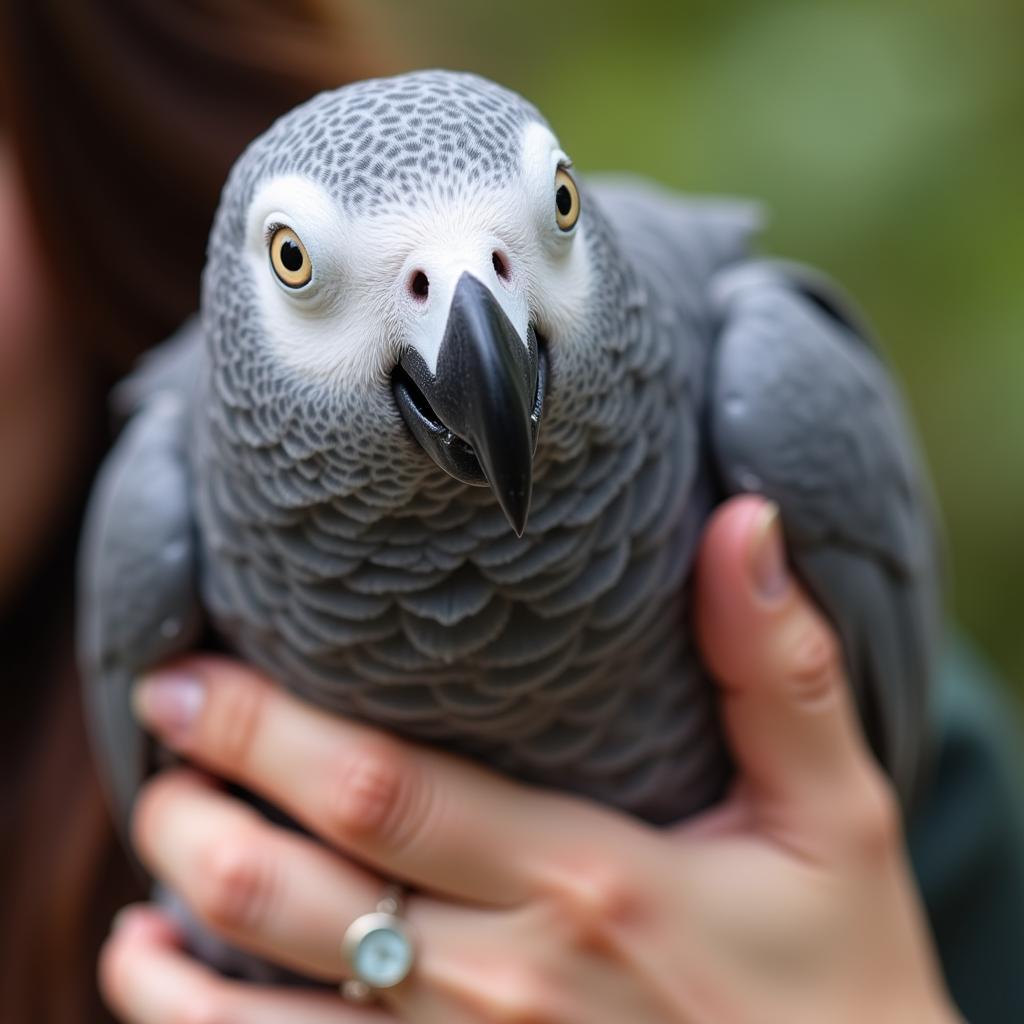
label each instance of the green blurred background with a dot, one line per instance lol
(887, 140)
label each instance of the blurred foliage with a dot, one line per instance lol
(884, 138)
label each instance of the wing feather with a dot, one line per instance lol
(804, 411)
(138, 603)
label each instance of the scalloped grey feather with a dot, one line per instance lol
(330, 550)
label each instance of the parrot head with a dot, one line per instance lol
(414, 244)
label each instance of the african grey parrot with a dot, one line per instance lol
(440, 449)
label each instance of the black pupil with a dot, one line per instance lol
(291, 256)
(563, 200)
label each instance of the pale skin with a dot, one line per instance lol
(792, 901)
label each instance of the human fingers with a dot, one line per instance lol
(414, 813)
(280, 896)
(146, 978)
(786, 704)
(270, 891)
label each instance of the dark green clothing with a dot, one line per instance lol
(967, 844)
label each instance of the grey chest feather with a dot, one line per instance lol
(561, 657)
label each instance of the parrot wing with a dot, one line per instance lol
(804, 411)
(138, 600)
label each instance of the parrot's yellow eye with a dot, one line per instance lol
(567, 200)
(289, 258)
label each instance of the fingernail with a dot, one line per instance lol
(169, 702)
(767, 555)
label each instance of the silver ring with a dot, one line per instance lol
(378, 949)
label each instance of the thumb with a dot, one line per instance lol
(785, 704)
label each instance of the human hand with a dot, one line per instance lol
(792, 901)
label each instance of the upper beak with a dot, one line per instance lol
(477, 415)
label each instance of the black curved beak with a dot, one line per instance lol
(478, 415)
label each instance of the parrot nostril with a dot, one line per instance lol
(500, 265)
(419, 285)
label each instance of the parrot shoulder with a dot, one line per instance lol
(803, 410)
(138, 600)
(706, 232)
(172, 366)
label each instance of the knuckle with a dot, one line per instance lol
(876, 820)
(374, 794)
(815, 663)
(592, 899)
(234, 881)
(233, 718)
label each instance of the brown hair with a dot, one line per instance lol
(124, 117)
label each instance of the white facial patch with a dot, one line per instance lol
(559, 261)
(350, 324)
(320, 330)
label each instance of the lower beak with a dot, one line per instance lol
(477, 416)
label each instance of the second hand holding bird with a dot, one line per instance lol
(792, 901)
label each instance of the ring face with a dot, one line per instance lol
(379, 949)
